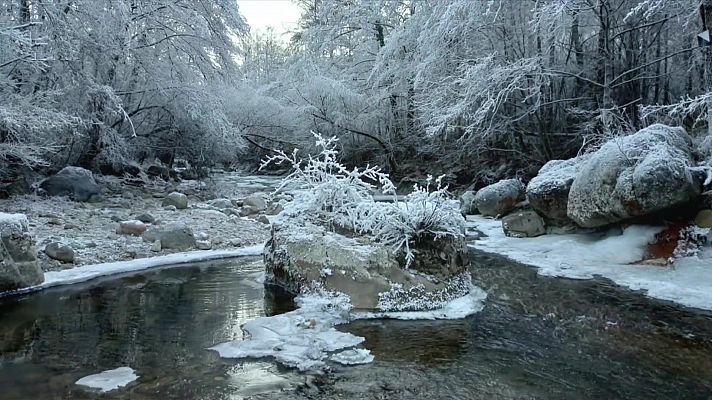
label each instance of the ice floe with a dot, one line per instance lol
(109, 380)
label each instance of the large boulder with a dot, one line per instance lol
(75, 182)
(18, 257)
(548, 192)
(302, 256)
(499, 198)
(632, 176)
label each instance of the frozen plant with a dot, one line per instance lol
(342, 197)
(332, 190)
(424, 214)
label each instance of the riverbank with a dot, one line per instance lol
(90, 229)
(611, 254)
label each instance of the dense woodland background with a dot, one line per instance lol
(477, 89)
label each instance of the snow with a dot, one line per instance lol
(353, 357)
(109, 380)
(583, 256)
(458, 308)
(89, 272)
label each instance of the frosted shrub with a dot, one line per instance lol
(328, 190)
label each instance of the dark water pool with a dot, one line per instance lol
(158, 323)
(537, 338)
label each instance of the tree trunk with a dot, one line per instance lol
(706, 14)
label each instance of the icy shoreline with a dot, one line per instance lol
(89, 272)
(582, 256)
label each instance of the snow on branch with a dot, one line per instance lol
(325, 189)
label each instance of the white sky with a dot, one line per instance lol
(281, 15)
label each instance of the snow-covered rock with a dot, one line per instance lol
(467, 203)
(175, 199)
(523, 224)
(499, 198)
(548, 192)
(633, 176)
(75, 182)
(18, 256)
(306, 256)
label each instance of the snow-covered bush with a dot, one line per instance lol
(327, 190)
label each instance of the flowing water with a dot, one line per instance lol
(537, 338)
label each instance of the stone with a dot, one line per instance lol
(159, 172)
(156, 246)
(634, 176)
(703, 219)
(255, 202)
(301, 256)
(58, 252)
(145, 218)
(175, 236)
(548, 192)
(220, 204)
(71, 226)
(170, 208)
(133, 228)
(247, 211)
(499, 198)
(54, 221)
(177, 200)
(75, 182)
(263, 219)
(467, 203)
(19, 267)
(274, 209)
(523, 224)
(203, 244)
(201, 236)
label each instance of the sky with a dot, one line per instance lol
(281, 15)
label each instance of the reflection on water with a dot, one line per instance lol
(158, 323)
(537, 338)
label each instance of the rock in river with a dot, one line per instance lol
(300, 256)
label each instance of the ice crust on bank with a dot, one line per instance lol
(89, 272)
(109, 380)
(306, 338)
(583, 256)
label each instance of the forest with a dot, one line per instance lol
(480, 89)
